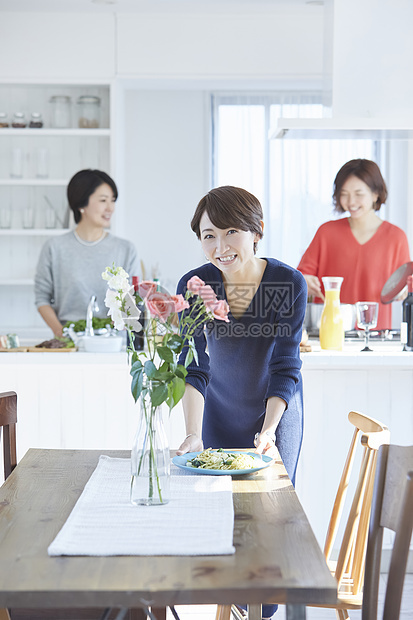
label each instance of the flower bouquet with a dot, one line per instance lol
(157, 375)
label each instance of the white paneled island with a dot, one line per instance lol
(83, 400)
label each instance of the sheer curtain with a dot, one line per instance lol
(293, 179)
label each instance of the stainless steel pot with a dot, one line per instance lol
(313, 317)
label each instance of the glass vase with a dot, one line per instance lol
(150, 457)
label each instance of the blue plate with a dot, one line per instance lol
(262, 461)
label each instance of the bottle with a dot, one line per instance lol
(89, 112)
(139, 337)
(331, 326)
(36, 120)
(61, 106)
(406, 329)
(4, 121)
(19, 120)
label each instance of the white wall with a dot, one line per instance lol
(57, 46)
(373, 59)
(165, 175)
(272, 44)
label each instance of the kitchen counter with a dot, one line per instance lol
(384, 353)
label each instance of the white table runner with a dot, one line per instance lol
(198, 520)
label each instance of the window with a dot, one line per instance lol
(293, 179)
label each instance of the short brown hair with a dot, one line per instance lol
(368, 172)
(229, 206)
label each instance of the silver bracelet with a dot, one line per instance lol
(190, 435)
(272, 436)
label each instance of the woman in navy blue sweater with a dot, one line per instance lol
(247, 389)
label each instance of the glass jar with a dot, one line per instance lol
(61, 111)
(36, 120)
(88, 112)
(19, 120)
(4, 121)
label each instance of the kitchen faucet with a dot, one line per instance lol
(92, 307)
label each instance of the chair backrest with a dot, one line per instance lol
(349, 570)
(8, 420)
(392, 507)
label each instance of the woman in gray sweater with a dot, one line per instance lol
(70, 266)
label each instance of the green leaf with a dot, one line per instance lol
(178, 390)
(194, 351)
(159, 395)
(164, 376)
(136, 366)
(150, 369)
(136, 386)
(181, 371)
(175, 343)
(189, 357)
(165, 353)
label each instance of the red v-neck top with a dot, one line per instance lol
(334, 251)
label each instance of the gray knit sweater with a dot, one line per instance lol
(68, 273)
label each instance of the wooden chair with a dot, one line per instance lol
(349, 568)
(392, 507)
(8, 420)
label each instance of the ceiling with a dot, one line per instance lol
(136, 6)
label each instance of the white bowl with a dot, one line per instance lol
(102, 344)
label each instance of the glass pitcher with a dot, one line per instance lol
(331, 326)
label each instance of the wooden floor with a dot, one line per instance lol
(207, 612)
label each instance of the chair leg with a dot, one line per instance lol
(342, 614)
(223, 612)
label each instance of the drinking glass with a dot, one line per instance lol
(28, 217)
(42, 163)
(5, 217)
(16, 171)
(367, 313)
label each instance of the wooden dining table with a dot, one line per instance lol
(277, 557)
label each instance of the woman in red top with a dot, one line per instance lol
(361, 248)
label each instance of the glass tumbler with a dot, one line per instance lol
(5, 217)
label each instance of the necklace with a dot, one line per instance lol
(89, 243)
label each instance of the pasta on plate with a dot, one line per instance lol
(220, 459)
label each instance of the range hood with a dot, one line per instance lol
(333, 129)
(367, 69)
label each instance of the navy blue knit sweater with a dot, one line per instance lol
(245, 361)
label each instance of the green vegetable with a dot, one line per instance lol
(97, 323)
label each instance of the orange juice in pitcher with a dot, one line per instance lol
(331, 326)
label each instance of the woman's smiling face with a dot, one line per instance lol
(356, 197)
(229, 249)
(100, 207)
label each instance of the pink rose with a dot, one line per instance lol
(208, 296)
(194, 284)
(180, 303)
(220, 310)
(161, 305)
(146, 288)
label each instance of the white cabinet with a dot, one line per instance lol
(36, 164)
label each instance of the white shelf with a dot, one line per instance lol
(17, 282)
(31, 182)
(33, 232)
(54, 132)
